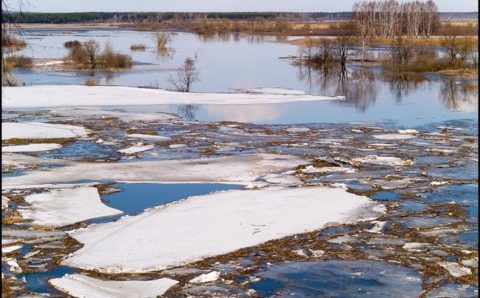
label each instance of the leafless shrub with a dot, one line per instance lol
(185, 76)
(92, 48)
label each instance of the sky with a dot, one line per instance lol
(211, 5)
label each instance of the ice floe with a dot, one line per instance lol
(214, 224)
(64, 96)
(98, 112)
(207, 277)
(78, 285)
(148, 137)
(136, 149)
(238, 169)
(31, 147)
(383, 160)
(312, 170)
(36, 130)
(394, 136)
(455, 269)
(61, 207)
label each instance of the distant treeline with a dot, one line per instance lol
(83, 17)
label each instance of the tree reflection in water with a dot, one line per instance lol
(357, 85)
(402, 84)
(459, 95)
(187, 111)
(361, 85)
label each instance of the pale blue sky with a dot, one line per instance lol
(210, 5)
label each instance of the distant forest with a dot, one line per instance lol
(104, 17)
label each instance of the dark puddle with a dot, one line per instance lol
(136, 197)
(338, 278)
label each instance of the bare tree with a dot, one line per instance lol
(9, 28)
(389, 18)
(307, 49)
(185, 77)
(92, 47)
(451, 46)
(402, 52)
(342, 48)
(364, 24)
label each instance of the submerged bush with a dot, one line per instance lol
(78, 55)
(162, 40)
(18, 61)
(110, 59)
(71, 44)
(91, 82)
(138, 47)
(88, 55)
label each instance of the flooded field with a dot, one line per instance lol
(375, 194)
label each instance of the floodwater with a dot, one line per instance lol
(245, 62)
(134, 198)
(339, 279)
(434, 196)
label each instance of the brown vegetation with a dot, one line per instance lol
(18, 61)
(461, 54)
(91, 82)
(162, 40)
(88, 55)
(11, 41)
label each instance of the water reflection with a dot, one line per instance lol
(164, 53)
(459, 96)
(361, 86)
(402, 84)
(187, 111)
(261, 113)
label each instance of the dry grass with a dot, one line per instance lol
(11, 41)
(18, 61)
(317, 25)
